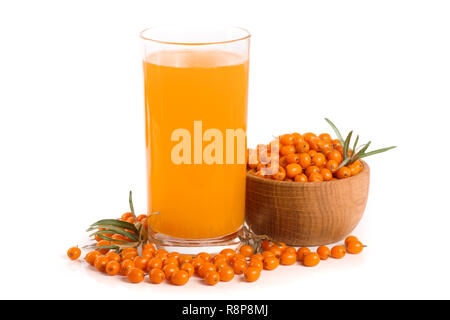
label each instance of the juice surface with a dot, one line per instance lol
(195, 201)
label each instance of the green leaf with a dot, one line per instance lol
(131, 206)
(115, 223)
(110, 239)
(346, 144)
(355, 145)
(371, 153)
(109, 229)
(344, 163)
(336, 130)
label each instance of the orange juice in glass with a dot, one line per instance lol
(196, 82)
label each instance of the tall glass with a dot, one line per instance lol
(196, 81)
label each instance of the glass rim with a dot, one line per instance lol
(143, 37)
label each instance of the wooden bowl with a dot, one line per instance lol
(306, 213)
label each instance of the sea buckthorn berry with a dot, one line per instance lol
(155, 262)
(332, 165)
(311, 259)
(338, 252)
(283, 162)
(257, 256)
(318, 160)
(252, 274)
(141, 263)
(169, 270)
(174, 254)
(228, 253)
(205, 268)
(103, 243)
(126, 216)
(212, 278)
(246, 250)
(257, 263)
(189, 268)
(287, 149)
(270, 263)
(222, 263)
(226, 274)
(336, 143)
(323, 252)
(350, 238)
(90, 257)
(326, 174)
(302, 147)
(301, 178)
(354, 169)
(301, 253)
(112, 256)
(287, 139)
(304, 160)
(100, 263)
(280, 175)
(185, 258)
(312, 153)
(266, 245)
(129, 253)
(126, 266)
(74, 253)
(292, 158)
(290, 250)
(157, 276)
(325, 137)
(343, 173)
(119, 238)
(141, 217)
(354, 247)
(240, 266)
(267, 253)
(147, 255)
(334, 155)
(288, 258)
(218, 256)
(276, 250)
(136, 275)
(179, 278)
(307, 136)
(312, 169)
(112, 267)
(197, 262)
(171, 260)
(162, 253)
(237, 257)
(297, 137)
(315, 177)
(293, 170)
(131, 220)
(325, 146)
(149, 247)
(314, 143)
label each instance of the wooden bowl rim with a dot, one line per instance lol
(365, 170)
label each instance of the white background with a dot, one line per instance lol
(72, 134)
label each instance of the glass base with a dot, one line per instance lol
(194, 246)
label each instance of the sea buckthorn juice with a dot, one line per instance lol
(195, 94)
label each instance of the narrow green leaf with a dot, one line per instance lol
(108, 247)
(110, 229)
(336, 130)
(115, 223)
(344, 163)
(131, 206)
(110, 239)
(371, 153)
(355, 145)
(347, 143)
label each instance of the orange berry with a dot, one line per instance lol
(323, 252)
(283, 162)
(212, 278)
(354, 169)
(301, 252)
(205, 268)
(350, 238)
(169, 270)
(141, 217)
(149, 247)
(112, 256)
(257, 256)
(179, 278)
(297, 137)
(325, 136)
(318, 160)
(325, 146)
(266, 244)
(189, 268)
(355, 247)
(312, 169)
(222, 263)
(301, 178)
(332, 165)
(304, 160)
(270, 263)
(126, 266)
(240, 266)
(157, 276)
(136, 275)
(290, 250)
(171, 260)
(311, 259)
(343, 173)
(335, 155)
(276, 250)
(74, 253)
(219, 256)
(185, 258)
(280, 175)
(226, 274)
(293, 169)
(228, 253)
(307, 136)
(288, 258)
(315, 177)
(129, 253)
(292, 158)
(140, 263)
(162, 253)
(287, 149)
(257, 263)
(90, 257)
(287, 139)
(326, 174)
(246, 250)
(112, 267)
(338, 252)
(155, 263)
(197, 262)
(147, 255)
(131, 220)
(302, 147)
(126, 216)
(266, 254)
(252, 274)
(174, 254)
(100, 263)
(103, 243)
